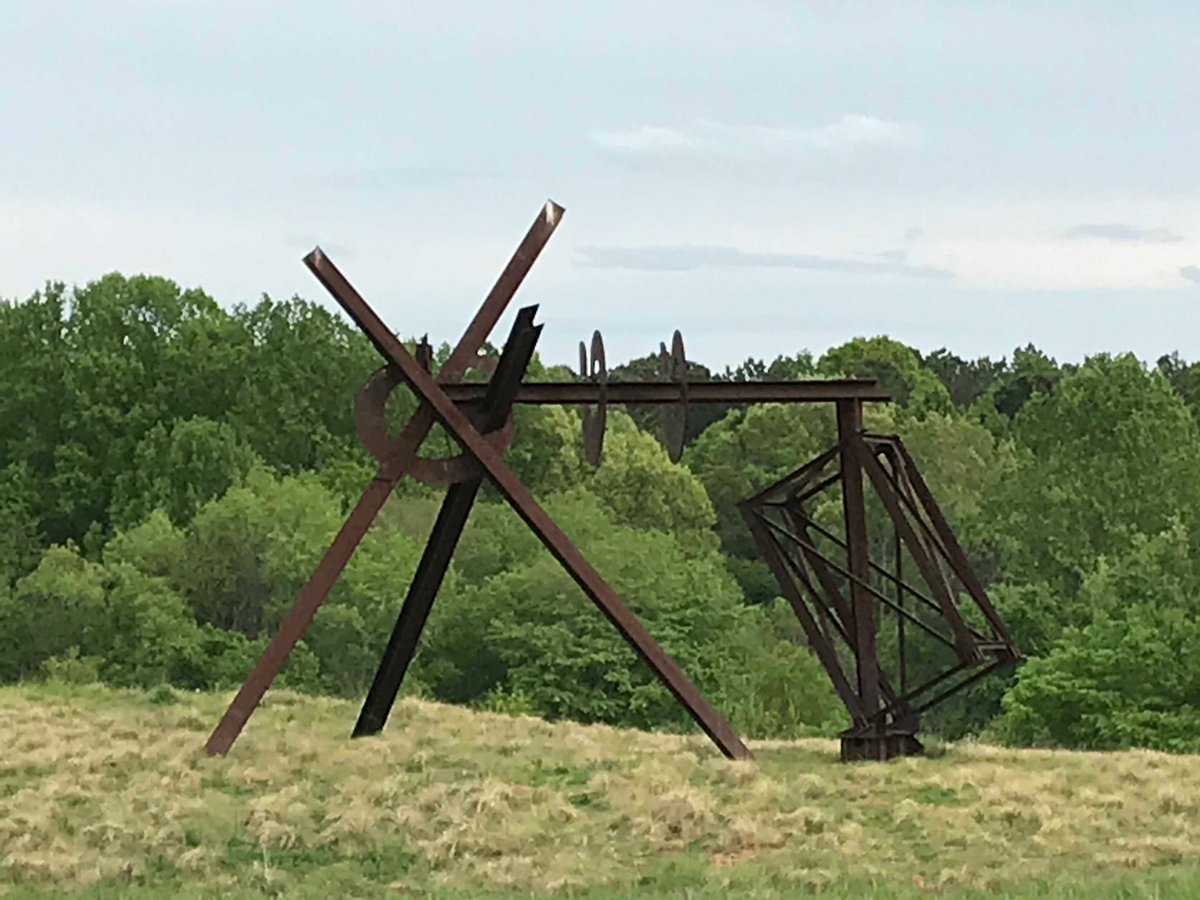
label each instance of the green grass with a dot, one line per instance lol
(108, 794)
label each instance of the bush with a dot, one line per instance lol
(70, 668)
(1120, 682)
(528, 632)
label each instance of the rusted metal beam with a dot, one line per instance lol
(823, 648)
(975, 676)
(800, 477)
(524, 504)
(636, 393)
(784, 532)
(321, 582)
(858, 552)
(833, 604)
(968, 654)
(898, 577)
(819, 560)
(958, 557)
(443, 539)
(298, 618)
(876, 568)
(824, 576)
(466, 351)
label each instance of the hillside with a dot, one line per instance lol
(107, 793)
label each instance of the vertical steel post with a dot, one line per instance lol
(898, 572)
(854, 510)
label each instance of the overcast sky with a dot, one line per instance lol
(764, 176)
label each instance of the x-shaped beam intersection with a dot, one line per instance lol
(437, 406)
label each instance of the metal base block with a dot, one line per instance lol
(880, 747)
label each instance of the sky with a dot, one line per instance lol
(766, 176)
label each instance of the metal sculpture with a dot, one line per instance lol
(812, 565)
(479, 417)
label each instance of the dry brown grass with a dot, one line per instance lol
(99, 787)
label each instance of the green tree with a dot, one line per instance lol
(528, 630)
(60, 605)
(1031, 373)
(642, 488)
(20, 542)
(897, 367)
(134, 626)
(966, 380)
(1121, 681)
(294, 405)
(782, 368)
(179, 467)
(1111, 453)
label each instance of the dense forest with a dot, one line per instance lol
(172, 470)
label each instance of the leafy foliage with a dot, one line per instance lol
(1121, 681)
(171, 470)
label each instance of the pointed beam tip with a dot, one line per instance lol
(553, 212)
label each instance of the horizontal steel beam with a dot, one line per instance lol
(659, 392)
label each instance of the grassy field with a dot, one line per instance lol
(108, 794)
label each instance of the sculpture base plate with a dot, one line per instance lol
(880, 747)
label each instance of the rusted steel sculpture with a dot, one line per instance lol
(812, 565)
(479, 417)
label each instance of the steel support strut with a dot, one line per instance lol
(443, 539)
(837, 600)
(854, 509)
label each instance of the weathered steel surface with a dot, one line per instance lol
(594, 368)
(370, 415)
(950, 541)
(634, 393)
(443, 539)
(297, 620)
(672, 368)
(523, 502)
(968, 655)
(818, 640)
(836, 601)
(858, 554)
(672, 389)
(314, 592)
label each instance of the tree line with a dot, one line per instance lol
(172, 469)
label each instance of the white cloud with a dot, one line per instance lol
(686, 258)
(718, 140)
(1191, 273)
(857, 131)
(1120, 232)
(646, 138)
(1023, 261)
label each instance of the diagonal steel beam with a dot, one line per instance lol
(798, 478)
(443, 539)
(817, 640)
(968, 653)
(958, 557)
(329, 569)
(815, 557)
(538, 520)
